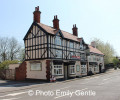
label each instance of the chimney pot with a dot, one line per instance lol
(56, 22)
(75, 31)
(93, 44)
(36, 14)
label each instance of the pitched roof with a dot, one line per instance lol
(51, 30)
(95, 50)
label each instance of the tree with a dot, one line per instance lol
(115, 61)
(5, 64)
(10, 49)
(3, 48)
(14, 48)
(22, 55)
(105, 48)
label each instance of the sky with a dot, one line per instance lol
(94, 18)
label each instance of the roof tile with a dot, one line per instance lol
(95, 50)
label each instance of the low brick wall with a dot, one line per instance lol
(20, 72)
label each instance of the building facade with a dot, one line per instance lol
(95, 59)
(52, 52)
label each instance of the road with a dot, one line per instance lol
(104, 86)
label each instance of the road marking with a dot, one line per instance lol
(13, 94)
(11, 98)
(67, 95)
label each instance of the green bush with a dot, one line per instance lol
(5, 64)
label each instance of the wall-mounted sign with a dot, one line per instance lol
(76, 57)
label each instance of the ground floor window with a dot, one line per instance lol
(72, 69)
(95, 68)
(58, 70)
(90, 67)
(83, 68)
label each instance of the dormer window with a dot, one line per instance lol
(58, 40)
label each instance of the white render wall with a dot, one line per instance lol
(36, 74)
(91, 59)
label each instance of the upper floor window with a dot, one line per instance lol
(58, 53)
(94, 58)
(89, 58)
(101, 58)
(81, 46)
(71, 44)
(58, 40)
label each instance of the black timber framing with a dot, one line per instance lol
(48, 47)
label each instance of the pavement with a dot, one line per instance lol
(103, 86)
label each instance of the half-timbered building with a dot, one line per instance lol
(50, 51)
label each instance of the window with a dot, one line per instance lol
(94, 58)
(83, 56)
(77, 68)
(89, 58)
(83, 69)
(71, 54)
(81, 47)
(36, 66)
(72, 69)
(95, 68)
(58, 40)
(58, 70)
(58, 53)
(101, 58)
(71, 44)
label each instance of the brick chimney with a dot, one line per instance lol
(75, 32)
(56, 22)
(36, 13)
(93, 44)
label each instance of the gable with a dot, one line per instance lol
(59, 33)
(33, 32)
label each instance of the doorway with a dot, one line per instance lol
(100, 68)
(66, 72)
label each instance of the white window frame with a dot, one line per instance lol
(58, 40)
(58, 68)
(58, 53)
(72, 69)
(81, 46)
(71, 44)
(95, 68)
(83, 69)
